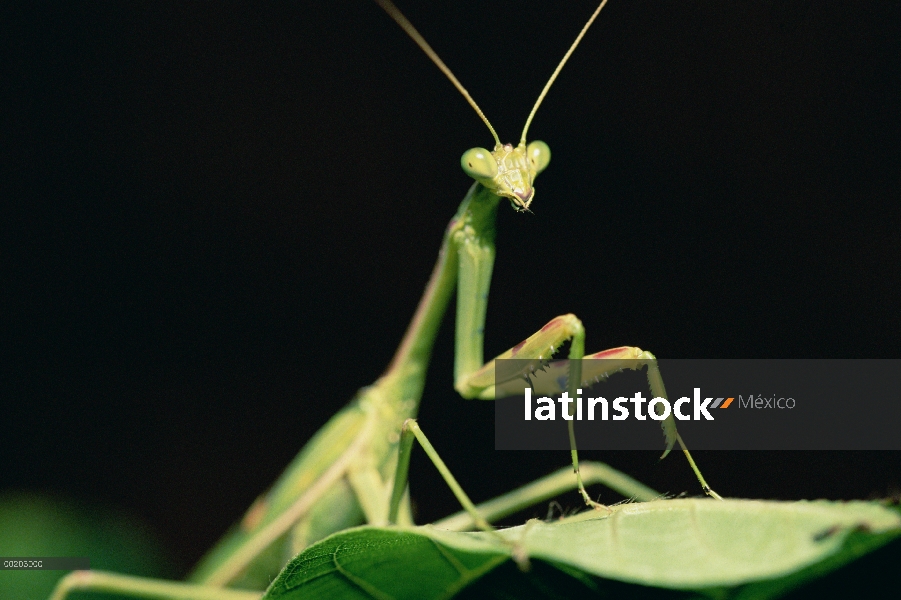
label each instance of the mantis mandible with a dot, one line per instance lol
(348, 473)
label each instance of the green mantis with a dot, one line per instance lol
(347, 471)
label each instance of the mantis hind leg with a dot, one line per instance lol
(547, 487)
(480, 516)
(142, 587)
(409, 432)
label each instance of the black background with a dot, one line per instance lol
(217, 220)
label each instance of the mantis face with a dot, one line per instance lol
(507, 171)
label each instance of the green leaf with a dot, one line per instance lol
(746, 548)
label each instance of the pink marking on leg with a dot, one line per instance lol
(556, 322)
(621, 352)
(515, 350)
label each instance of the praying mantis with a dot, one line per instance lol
(524, 264)
(344, 474)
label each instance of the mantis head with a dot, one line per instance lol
(507, 171)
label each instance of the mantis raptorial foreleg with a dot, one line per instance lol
(481, 383)
(473, 239)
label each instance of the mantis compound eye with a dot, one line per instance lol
(539, 155)
(479, 164)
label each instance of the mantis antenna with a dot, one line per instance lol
(559, 68)
(401, 20)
